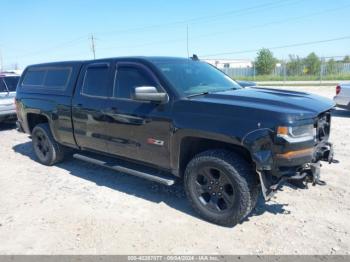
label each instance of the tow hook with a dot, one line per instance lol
(315, 173)
(326, 153)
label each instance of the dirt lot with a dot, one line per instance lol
(78, 208)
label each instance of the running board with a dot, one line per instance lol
(125, 167)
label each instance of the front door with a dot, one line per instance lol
(140, 129)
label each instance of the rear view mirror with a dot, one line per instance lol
(150, 93)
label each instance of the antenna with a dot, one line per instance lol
(195, 57)
(188, 53)
(93, 46)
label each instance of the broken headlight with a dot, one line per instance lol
(295, 134)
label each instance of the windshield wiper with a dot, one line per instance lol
(198, 94)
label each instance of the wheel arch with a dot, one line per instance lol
(190, 146)
(35, 118)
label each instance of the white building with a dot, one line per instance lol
(230, 63)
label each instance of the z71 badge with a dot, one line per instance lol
(156, 142)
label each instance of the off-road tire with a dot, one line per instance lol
(238, 171)
(55, 152)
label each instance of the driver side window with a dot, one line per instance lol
(129, 77)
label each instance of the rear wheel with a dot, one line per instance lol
(221, 186)
(46, 149)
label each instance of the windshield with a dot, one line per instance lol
(194, 77)
(11, 82)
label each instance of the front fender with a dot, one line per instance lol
(260, 145)
(179, 134)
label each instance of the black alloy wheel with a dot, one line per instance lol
(46, 149)
(41, 145)
(221, 186)
(214, 189)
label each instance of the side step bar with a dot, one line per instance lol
(116, 165)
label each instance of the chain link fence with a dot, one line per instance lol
(285, 71)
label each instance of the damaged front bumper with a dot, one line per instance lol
(307, 173)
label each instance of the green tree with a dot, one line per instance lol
(346, 59)
(295, 66)
(331, 66)
(312, 64)
(265, 63)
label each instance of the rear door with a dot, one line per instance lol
(90, 105)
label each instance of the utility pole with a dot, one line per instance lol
(1, 62)
(284, 64)
(93, 46)
(188, 52)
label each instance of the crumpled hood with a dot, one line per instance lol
(299, 104)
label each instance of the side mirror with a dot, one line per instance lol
(150, 93)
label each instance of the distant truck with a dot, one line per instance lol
(342, 98)
(8, 84)
(246, 83)
(164, 118)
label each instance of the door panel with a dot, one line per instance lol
(139, 130)
(90, 106)
(136, 129)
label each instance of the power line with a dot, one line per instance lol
(62, 44)
(198, 19)
(277, 22)
(280, 47)
(210, 17)
(208, 35)
(192, 20)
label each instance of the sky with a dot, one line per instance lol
(47, 30)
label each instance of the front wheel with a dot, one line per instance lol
(46, 149)
(221, 186)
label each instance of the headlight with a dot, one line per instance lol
(295, 134)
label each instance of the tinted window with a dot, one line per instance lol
(11, 82)
(96, 81)
(34, 77)
(57, 77)
(2, 85)
(193, 77)
(128, 78)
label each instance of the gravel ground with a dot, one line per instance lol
(78, 208)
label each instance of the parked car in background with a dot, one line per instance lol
(246, 83)
(8, 84)
(342, 98)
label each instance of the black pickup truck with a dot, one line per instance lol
(165, 119)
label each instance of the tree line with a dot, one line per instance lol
(265, 63)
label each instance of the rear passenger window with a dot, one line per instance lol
(57, 77)
(11, 83)
(96, 81)
(128, 78)
(34, 77)
(47, 77)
